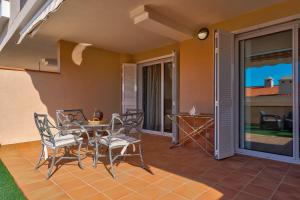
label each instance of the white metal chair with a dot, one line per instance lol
(70, 115)
(70, 121)
(117, 138)
(133, 121)
(55, 142)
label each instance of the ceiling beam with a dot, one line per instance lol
(148, 19)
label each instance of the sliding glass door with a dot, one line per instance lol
(268, 92)
(157, 95)
(152, 97)
(168, 95)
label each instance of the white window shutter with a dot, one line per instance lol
(224, 136)
(129, 86)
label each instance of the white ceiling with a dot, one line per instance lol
(107, 24)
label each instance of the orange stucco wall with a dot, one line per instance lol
(97, 82)
(196, 57)
(94, 84)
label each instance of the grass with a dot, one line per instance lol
(8, 188)
(256, 130)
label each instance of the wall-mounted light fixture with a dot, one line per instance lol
(203, 33)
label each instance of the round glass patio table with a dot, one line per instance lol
(90, 127)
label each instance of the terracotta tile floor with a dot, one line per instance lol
(181, 173)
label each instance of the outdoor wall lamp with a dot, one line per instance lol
(203, 33)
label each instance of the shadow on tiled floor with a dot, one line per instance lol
(181, 173)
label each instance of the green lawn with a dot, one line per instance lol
(8, 188)
(256, 130)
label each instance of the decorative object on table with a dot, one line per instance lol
(193, 111)
(94, 122)
(98, 115)
(97, 122)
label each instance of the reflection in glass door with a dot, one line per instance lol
(266, 107)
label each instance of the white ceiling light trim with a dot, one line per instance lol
(41, 16)
(146, 18)
(78, 51)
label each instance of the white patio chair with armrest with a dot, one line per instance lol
(73, 115)
(55, 142)
(133, 120)
(70, 122)
(117, 139)
(133, 123)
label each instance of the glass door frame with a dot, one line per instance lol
(238, 82)
(140, 91)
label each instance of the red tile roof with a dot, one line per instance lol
(261, 91)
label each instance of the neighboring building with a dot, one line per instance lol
(284, 88)
(273, 99)
(286, 85)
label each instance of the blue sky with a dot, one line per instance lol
(255, 76)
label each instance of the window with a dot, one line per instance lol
(264, 110)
